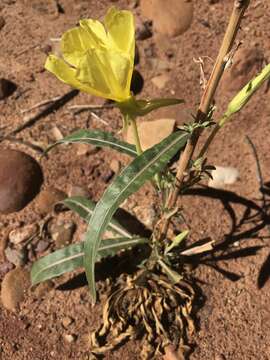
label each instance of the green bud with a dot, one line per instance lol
(246, 93)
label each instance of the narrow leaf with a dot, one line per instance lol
(143, 168)
(177, 240)
(97, 138)
(85, 208)
(71, 257)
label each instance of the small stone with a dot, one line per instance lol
(70, 338)
(56, 133)
(14, 286)
(152, 132)
(42, 245)
(171, 17)
(67, 320)
(7, 88)
(2, 22)
(16, 257)
(62, 233)
(20, 180)
(84, 149)
(47, 199)
(115, 166)
(20, 235)
(222, 176)
(74, 190)
(160, 81)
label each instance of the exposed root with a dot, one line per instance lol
(146, 306)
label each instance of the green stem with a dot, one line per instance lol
(136, 137)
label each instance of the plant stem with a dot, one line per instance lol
(209, 140)
(136, 135)
(238, 11)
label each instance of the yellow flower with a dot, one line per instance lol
(98, 59)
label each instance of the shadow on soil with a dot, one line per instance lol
(256, 216)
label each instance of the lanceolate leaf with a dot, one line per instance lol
(143, 168)
(97, 138)
(85, 208)
(71, 257)
(176, 241)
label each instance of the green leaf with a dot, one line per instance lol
(143, 168)
(85, 208)
(71, 257)
(97, 138)
(176, 241)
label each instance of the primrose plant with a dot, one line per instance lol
(155, 303)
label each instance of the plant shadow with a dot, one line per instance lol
(256, 216)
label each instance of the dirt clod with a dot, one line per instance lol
(20, 235)
(14, 285)
(20, 180)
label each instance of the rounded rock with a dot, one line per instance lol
(14, 286)
(171, 17)
(20, 180)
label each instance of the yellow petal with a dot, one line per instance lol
(96, 31)
(122, 69)
(67, 74)
(121, 31)
(74, 44)
(106, 71)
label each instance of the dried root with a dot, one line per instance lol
(146, 306)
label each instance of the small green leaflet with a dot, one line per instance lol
(97, 138)
(71, 257)
(176, 241)
(143, 168)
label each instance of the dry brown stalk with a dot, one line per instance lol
(223, 57)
